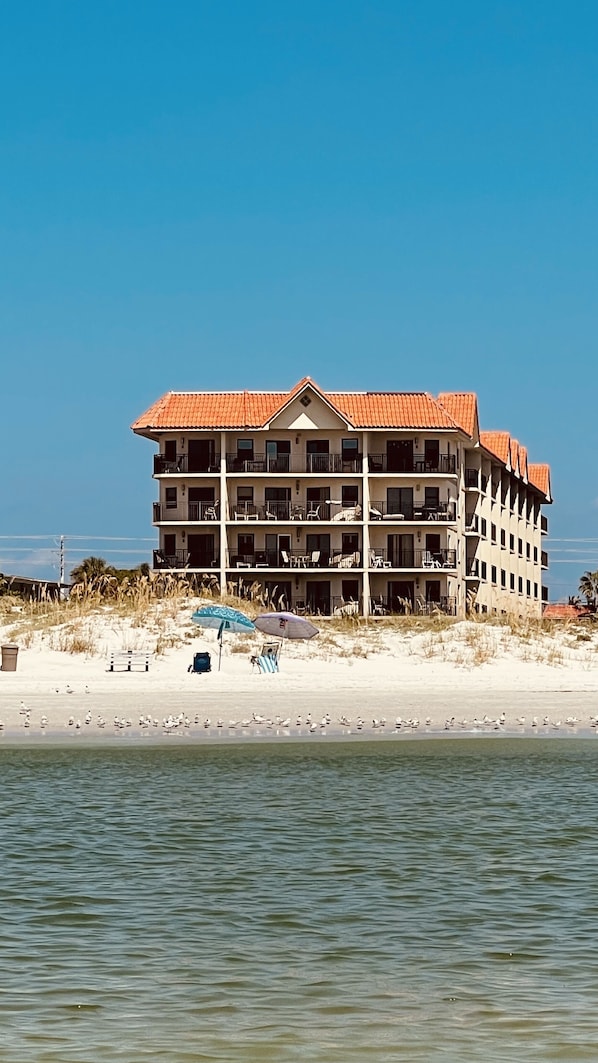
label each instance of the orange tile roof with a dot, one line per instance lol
(392, 409)
(564, 612)
(498, 443)
(218, 409)
(462, 406)
(253, 409)
(539, 476)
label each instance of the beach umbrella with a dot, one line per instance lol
(286, 626)
(224, 619)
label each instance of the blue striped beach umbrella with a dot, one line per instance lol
(224, 619)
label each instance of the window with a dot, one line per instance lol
(349, 496)
(483, 570)
(431, 455)
(520, 584)
(170, 450)
(431, 499)
(170, 495)
(350, 453)
(528, 551)
(493, 532)
(483, 531)
(244, 494)
(503, 537)
(536, 554)
(512, 581)
(493, 573)
(535, 590)
(528, 588)
(503, 578)
(512, 543)
(350, 543)
(520, 547)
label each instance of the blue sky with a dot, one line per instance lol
(385, 195)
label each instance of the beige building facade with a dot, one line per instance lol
(369, 503)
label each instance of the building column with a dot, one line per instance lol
(223, 514)
(365, 494)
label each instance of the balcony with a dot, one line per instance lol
(413, 559)
(445, 464)
(180, 559)
(202, 511)
(383, 605)
(298, 510)
(180, 464)
(472, 568)
(475, 480)
(185, 559)
(296, 464)
(295, 559)
(443, 511)
(472, 525)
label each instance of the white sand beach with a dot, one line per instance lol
(354, 679)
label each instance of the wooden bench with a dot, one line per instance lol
(130, 659)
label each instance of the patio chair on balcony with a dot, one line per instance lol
(428, 561)
(315, 557)
(285, 558)
(313, 513)
(212, 512)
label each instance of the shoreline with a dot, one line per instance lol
(225, 718)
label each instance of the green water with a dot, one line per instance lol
(425, 902)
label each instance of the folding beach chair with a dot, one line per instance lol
(267, 660)
(201, 663)
(266, 663)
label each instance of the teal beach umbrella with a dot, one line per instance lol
(224, 619)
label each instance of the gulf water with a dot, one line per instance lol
(412, 901)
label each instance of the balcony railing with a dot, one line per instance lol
(187, 559)
(179, 559)
(296, 559)
(296, 510)
(318, 463)
(472, 524)
(417, 558)
(181, 464)
(445, 464)
(203, 511)
(196, 511)
(472, 568)
(384, 605)
(444, 511)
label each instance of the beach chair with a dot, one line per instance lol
(266, 663)
(269, 651)
(201, 663)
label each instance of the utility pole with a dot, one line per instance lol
(61, 578)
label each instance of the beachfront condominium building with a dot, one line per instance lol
(348, 502)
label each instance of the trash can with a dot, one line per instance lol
(9, 658)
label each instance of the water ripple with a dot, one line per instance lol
(431, 902)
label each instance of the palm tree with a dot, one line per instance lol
(91, 568)
(588, 586)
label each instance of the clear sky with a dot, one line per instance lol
(395, 195)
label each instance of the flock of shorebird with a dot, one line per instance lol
(257, 724)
